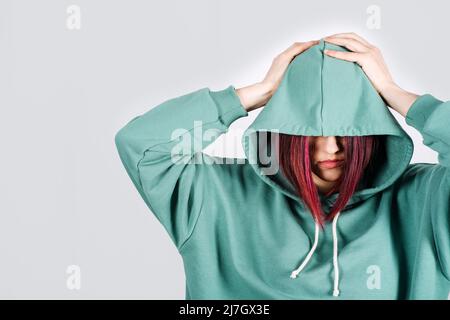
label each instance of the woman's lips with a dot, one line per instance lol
(331, 164)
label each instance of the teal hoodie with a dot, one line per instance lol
(239, 225)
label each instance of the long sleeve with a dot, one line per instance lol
(431, 116)
(161, 151)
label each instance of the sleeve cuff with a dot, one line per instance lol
(421, 109)
(228, 105)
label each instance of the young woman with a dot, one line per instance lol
(326, 203)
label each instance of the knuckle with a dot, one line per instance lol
(365, 57)
(374, 50)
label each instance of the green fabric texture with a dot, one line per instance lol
(238, 223)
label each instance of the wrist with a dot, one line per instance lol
(255, 95)
(388, 89)
(398, 98)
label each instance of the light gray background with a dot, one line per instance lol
(65, 197)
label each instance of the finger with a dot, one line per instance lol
(348, 56)
(299, 47)
(353, 36)
(352, 44)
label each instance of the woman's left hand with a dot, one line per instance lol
(371, 61)
(365, 54)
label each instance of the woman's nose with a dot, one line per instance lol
(331, 144)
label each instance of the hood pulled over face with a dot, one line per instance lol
(323, 96)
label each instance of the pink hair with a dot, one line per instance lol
(295, 152)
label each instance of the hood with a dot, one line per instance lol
(325, 96)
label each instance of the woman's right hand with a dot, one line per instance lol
(257, 95)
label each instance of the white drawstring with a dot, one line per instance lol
(295, 273)
(335, 257)
(316, 240)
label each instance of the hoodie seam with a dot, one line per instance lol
(321, 91)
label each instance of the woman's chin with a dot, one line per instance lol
(330, 175)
